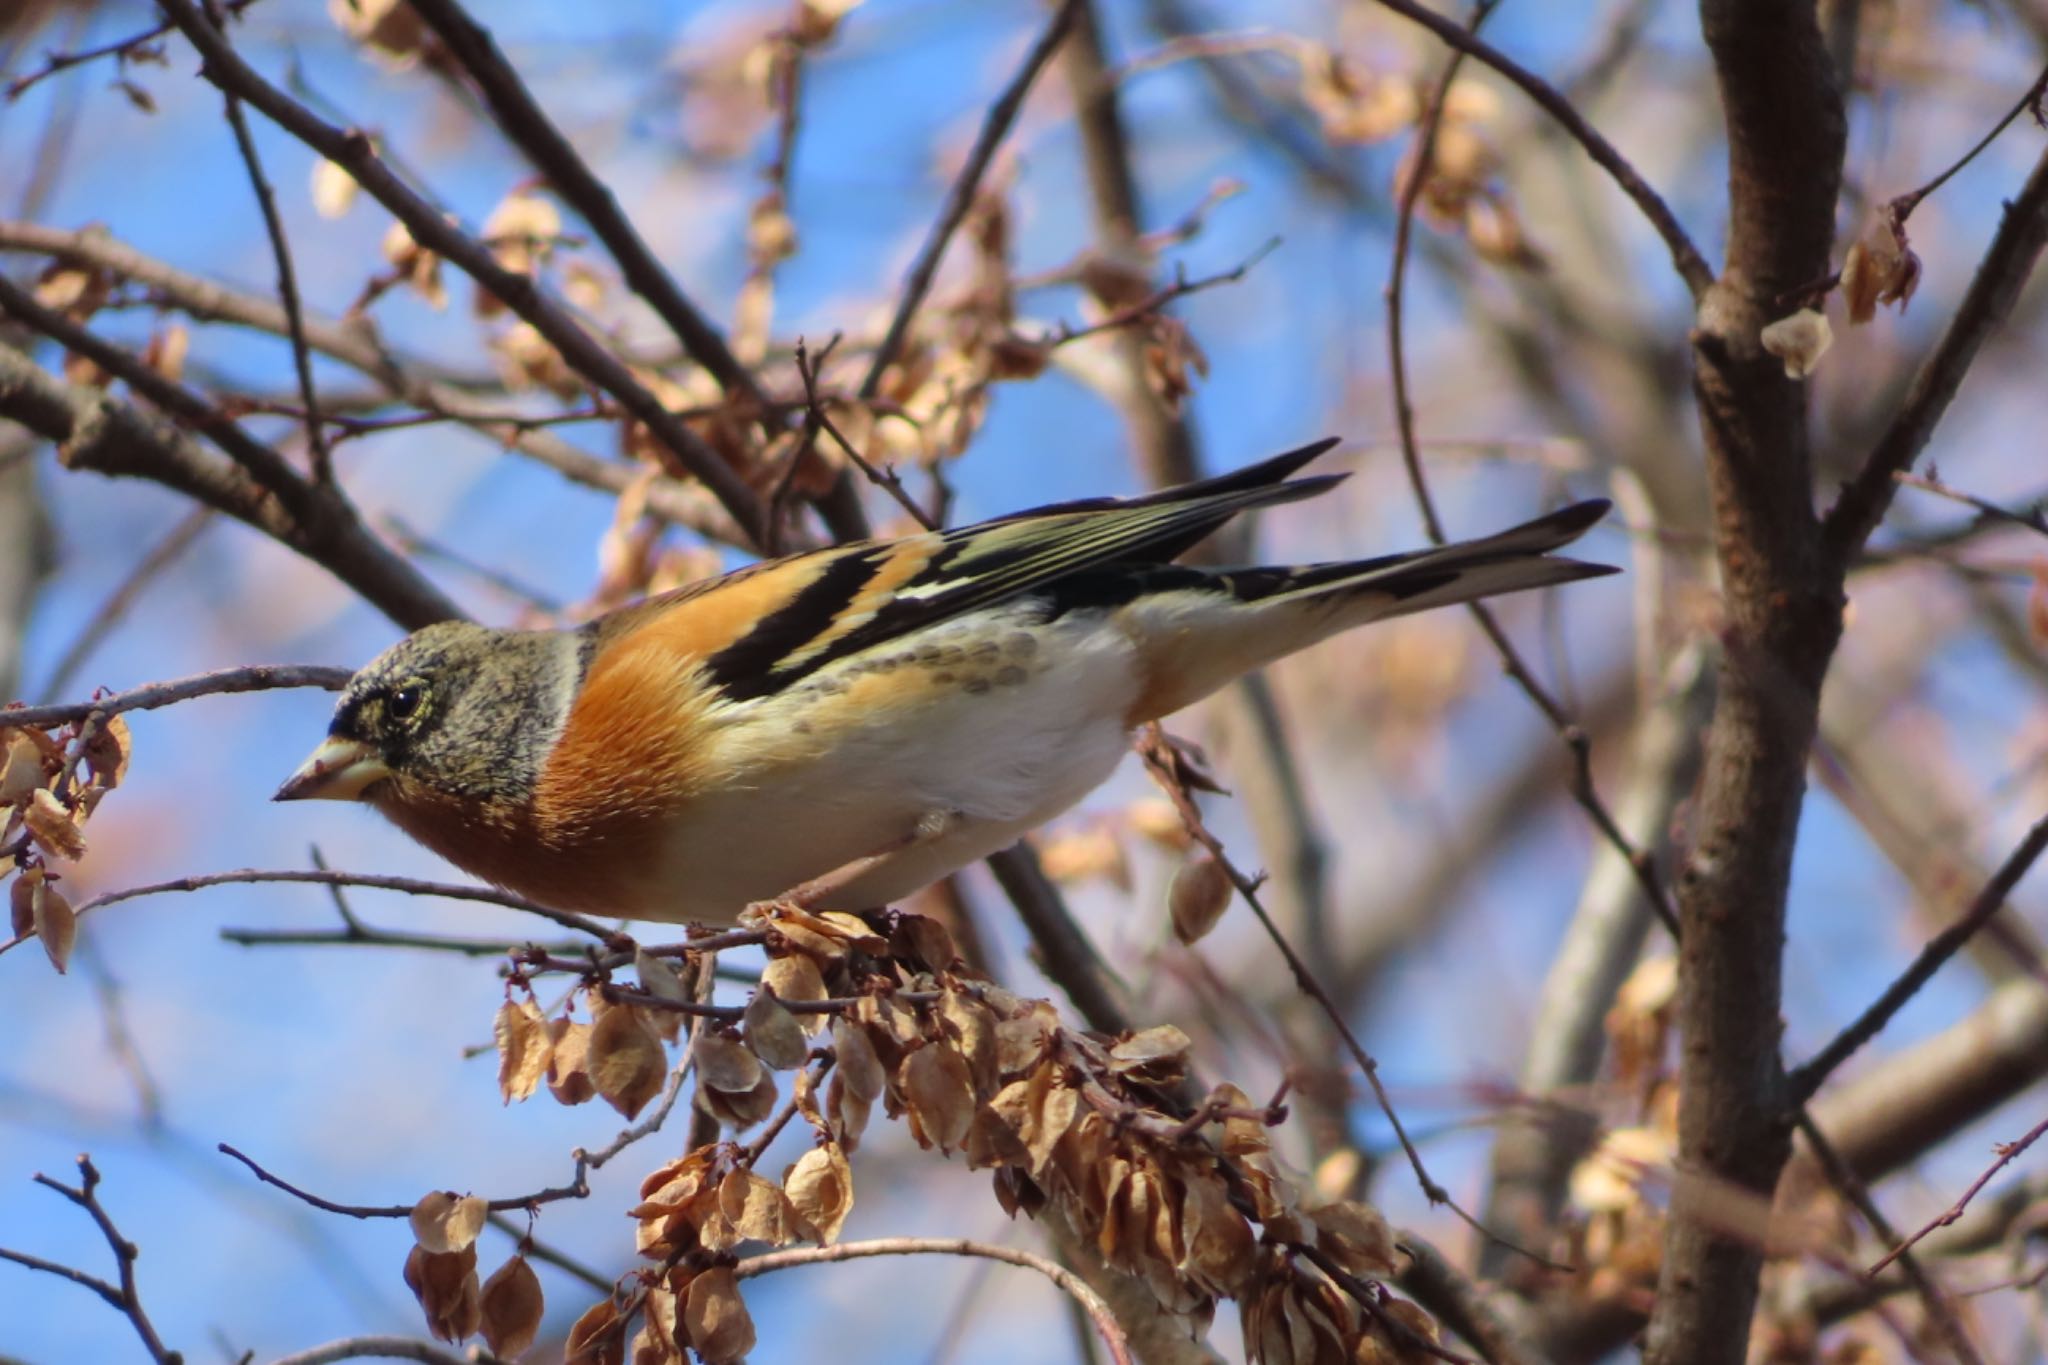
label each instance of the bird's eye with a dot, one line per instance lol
(404, 702)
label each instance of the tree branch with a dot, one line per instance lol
(995, 126)
(2007, 264)
(522, 120)
(1805, 1080)
(1783, 616)
(1685, 257)
(352, 150)
(97, 432)
(1068, 1282)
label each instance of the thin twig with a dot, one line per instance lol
(527, 125)
(535, 1250)
(588, 355)
(287, 278)
(1808, 1077)
(995, 126)
(150, 696)
(1568, 730)
(135, 47)
(2004, 271)
(2034, 518)
(109, 613)
(816, 418)
(579, 1188)
(1904, 204)
(1167, 767)
(1685, 257)
(1068, 1282)
(378, 1348)
(355, 343)
(411, 886)
(1939, 1310)
(124, 1297)
(262, 463)
(2006, 1152)
(1152, 303)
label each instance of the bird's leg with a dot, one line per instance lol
(806, 896)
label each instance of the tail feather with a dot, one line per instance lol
(1272, 612)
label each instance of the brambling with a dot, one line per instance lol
(894, 709)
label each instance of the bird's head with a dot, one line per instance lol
(454, 709)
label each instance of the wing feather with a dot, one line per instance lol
(813, 610)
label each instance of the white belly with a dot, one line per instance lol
(973, 750)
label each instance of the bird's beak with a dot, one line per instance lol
(339, 770)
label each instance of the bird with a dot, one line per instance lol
(851, 724)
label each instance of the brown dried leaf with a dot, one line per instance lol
(511, 1304)
(1039, 1110)
(771, 233)
(1198, 896)
(972, 1026)
(716, 1318)
(55, 923)
(795, 978)
(924, 939)
(21, 897)
(521, 231)
(1022, 1041)
(627, 1063)
(938, 1093)
(662, 982)
(859, 1067)
(1610, 1179)
(1242, 1135)
(1881, 266)
(444, 1221)
(820, 1190)
(107, 752)
(772, 1032)
(1353, 106)
(756, 1207)
(392, 28)
(525, 1046)
(21, 767)
(596, 1337)
(445, 1285)
(849, 1113)
(1161, 1043)
(724, 1063)
(1355, 1235)
(1117, 280)
(569, 1062)
(1218, 1240)
(656, 1342)
(53, 828)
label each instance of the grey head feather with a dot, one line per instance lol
(463, 708)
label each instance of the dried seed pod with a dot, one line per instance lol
(1198, 896)
(525, 1047)
(510, 1305)
(820, 1190)
(444, 1221)
(446, 1287)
